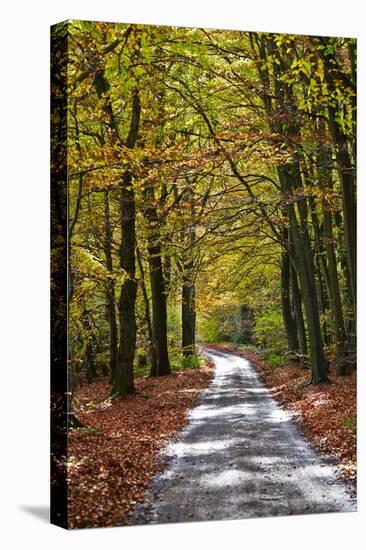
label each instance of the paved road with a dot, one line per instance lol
(241, 456)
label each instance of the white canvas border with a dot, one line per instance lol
(24, 273)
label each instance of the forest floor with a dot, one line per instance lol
(111, 461)
(325, 414)
(144, 460)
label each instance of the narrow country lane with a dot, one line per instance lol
(241, 456)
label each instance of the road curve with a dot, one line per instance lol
(240, 456)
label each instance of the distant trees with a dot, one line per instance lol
(207, 169)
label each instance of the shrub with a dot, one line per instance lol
(273, 360)
(349, 422)
(178, 362)
(270, 333)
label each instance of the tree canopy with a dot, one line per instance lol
(211, 192)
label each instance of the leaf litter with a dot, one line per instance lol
(112, 460)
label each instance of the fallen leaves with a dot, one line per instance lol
(115, 457)
(324, 413)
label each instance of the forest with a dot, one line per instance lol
(211, 202)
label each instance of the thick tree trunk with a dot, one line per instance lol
(152, 348)
(307, 280)
(123, 382)
(91, 371)
(113, 330)
(188, 284)
(110, 291)
(159, 316)
(188, 312)
(288, 318)
(157, 284)
(89, 355)
(297, 306)
(159, 310)
(323, 301)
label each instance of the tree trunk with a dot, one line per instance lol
(188, 312)
(323, 301)
(288, 318)
(325, 182)
(346, 172)
(152, 349)
(290, 179)
(159, 310)
(123, 382)
(188, 284)
(157, 284)
(343, 144)
(300, 250)
(89, 356)
(110, 291)
(297, 305)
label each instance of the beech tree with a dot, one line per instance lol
(208, 171)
